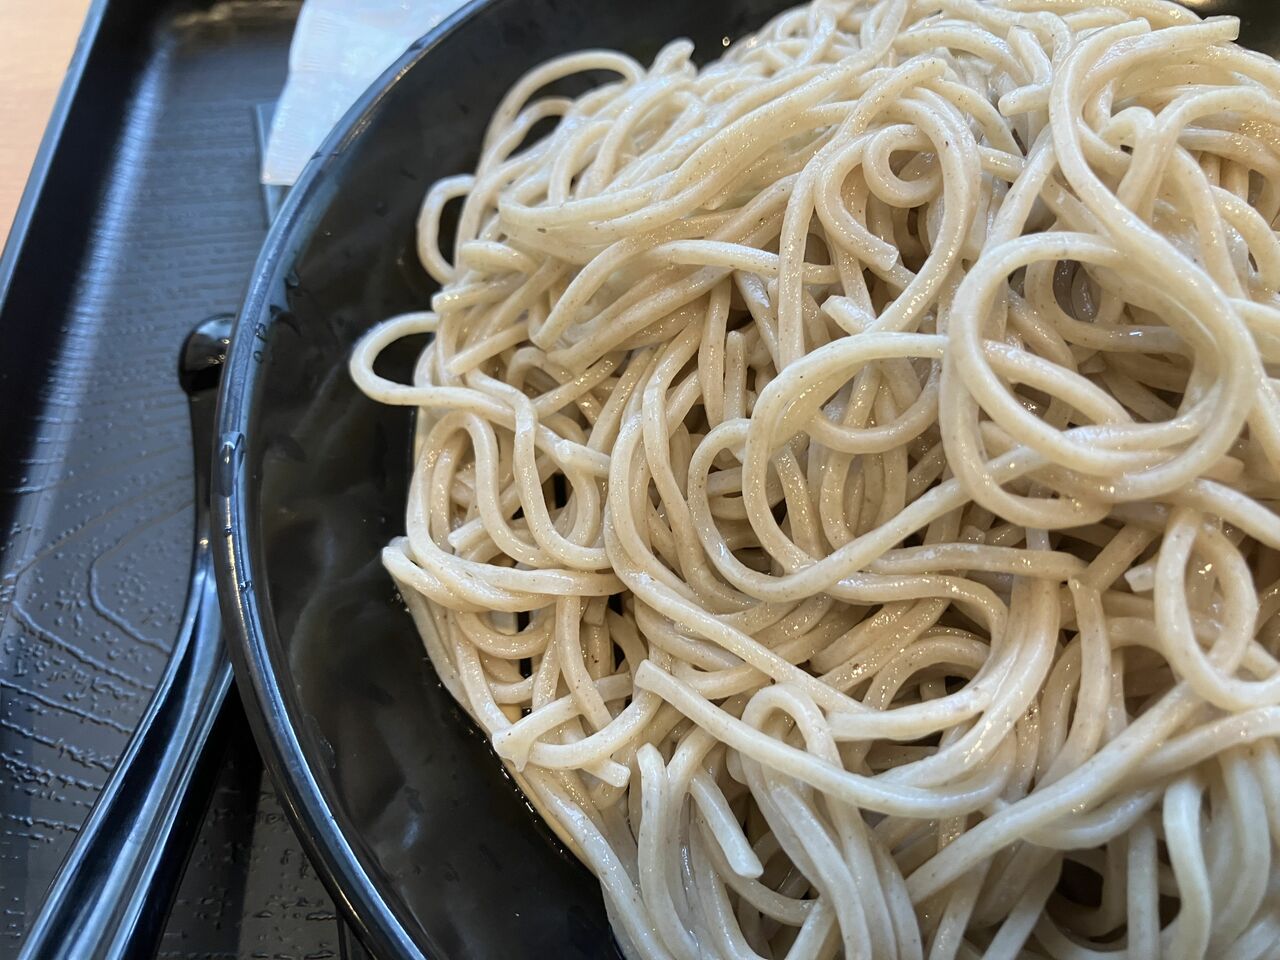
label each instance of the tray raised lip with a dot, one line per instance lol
(37, 179)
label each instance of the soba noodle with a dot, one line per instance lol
(847, 477)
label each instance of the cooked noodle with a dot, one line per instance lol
(846, 480)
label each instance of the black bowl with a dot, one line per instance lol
(425, 843)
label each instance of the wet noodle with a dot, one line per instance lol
(846, 480)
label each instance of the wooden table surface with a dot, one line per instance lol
(36, 41)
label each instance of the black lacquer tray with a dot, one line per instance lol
(143, 216)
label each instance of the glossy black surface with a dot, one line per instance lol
(112, 894)
(143, 215)
(430, 846)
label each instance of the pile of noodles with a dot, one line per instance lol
(847, 477)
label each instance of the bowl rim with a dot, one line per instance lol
(375, 922)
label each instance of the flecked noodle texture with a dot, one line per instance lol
(847, 477)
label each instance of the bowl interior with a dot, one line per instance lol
(423, 838)
(416, 825)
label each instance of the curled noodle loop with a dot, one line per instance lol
(846, 479)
